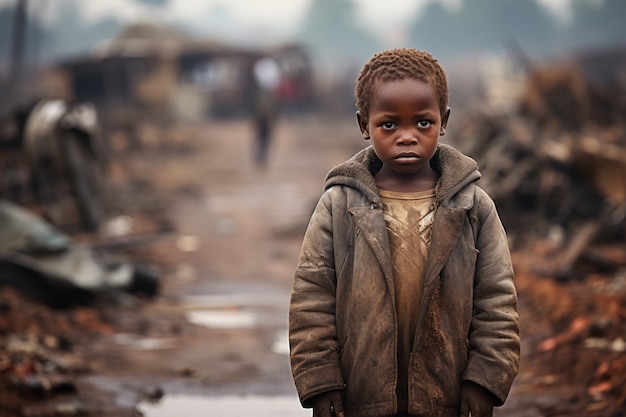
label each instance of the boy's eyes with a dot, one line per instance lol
(422, 124)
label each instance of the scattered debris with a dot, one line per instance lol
(556, 169)
(40, 260)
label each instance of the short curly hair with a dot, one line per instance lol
(400, 64)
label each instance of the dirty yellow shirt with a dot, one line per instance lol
(409, 218)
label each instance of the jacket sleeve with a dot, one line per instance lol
(494, 340)
(314, 350)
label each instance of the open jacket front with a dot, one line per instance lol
(342, 323)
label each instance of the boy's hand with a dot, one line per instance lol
(328, 404)
(476, 400)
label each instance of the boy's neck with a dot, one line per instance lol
(413, 183)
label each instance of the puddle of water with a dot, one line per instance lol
(281, 343)
(229, 300)
(232, 406)
(222, 319)
(236, 310)
(144, 343)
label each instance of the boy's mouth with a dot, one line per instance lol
(407, 157)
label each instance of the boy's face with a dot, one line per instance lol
(404, 124)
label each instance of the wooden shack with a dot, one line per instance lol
(150, 72)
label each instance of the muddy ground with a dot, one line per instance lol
(233, 235)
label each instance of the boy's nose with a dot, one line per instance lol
(407, 137)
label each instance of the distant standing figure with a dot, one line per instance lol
(265, 107)
(403, 300)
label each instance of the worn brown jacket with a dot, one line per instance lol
(342, 320)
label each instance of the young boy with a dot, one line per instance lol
(403, 301)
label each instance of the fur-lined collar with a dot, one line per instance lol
(456, 171)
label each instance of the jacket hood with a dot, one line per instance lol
(456, 171)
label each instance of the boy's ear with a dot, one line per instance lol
(444, 121)
(362, 125)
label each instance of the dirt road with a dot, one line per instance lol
(238, 230)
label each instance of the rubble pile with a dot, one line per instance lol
(40, 355)
(556, 169)
(46, 353)
(574, 339)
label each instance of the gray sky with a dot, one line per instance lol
(276, 13)
(258, 12)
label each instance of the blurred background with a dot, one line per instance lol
(159, 160)
(335, 36)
